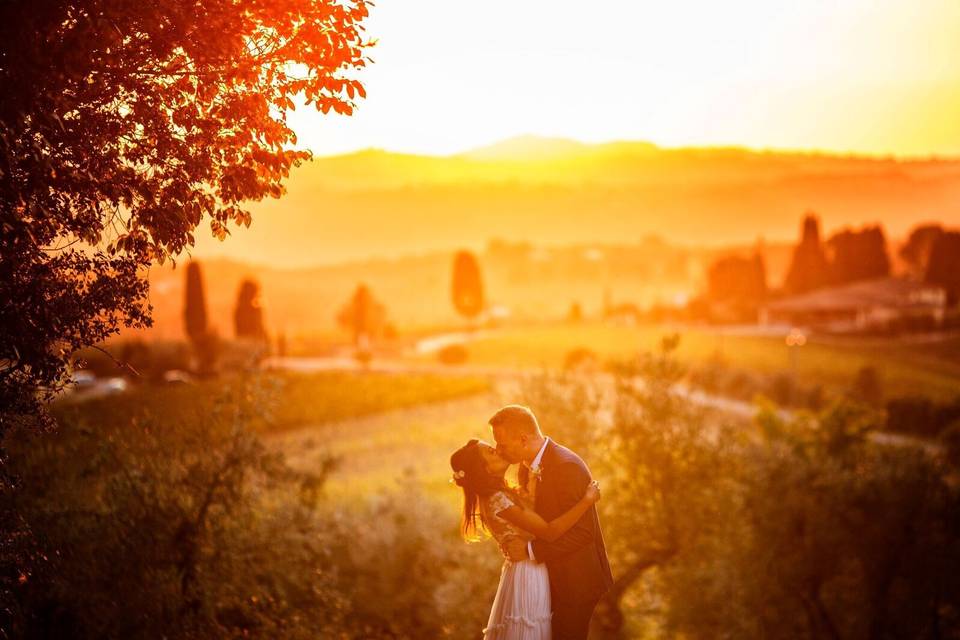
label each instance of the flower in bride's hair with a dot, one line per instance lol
(457, 475)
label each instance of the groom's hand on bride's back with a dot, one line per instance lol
(515, 549)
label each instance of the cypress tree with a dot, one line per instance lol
(195, 305)
(248, 313)
(467, 286)
(808, 269)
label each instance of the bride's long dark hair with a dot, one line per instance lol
(470, 473)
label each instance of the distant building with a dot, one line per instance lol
(868, 305)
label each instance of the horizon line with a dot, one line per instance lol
(772, 150)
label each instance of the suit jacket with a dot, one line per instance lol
(577, 560)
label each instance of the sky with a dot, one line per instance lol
(862, 76)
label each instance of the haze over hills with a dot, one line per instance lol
(555, 192)
(533, 282)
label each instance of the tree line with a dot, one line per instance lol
(931, 254)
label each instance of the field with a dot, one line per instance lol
(289, 400)
(380, 428)
(356, 527)
(377, 452)
(290, 504)
(904, 368)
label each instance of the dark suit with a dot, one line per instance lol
(577, 560)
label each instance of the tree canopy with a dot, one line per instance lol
(943, 266)
(122, 127)
(858, 255)
(248, 312)
(808, 268)
(363, 315)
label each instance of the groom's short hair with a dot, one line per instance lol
(517, 418)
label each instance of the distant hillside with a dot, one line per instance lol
(557, 192)
(533, 282)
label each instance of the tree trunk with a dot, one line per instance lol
(607, 621)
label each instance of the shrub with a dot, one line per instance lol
(567, 405)
(453, 354)
(782, 389)
(921, 416)
(582, 359)
(182, 524)
(138, 520)
(829, 535)
(866, 387)
(950, 440)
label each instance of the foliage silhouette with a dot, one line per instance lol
(808, 268)
(916, 250)
(467, 285)
(364, 316)
(248, 313)
(203, 338)
(858, 255)
(124, 125)
(943, 267)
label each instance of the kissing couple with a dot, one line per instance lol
(556, 568)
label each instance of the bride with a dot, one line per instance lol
(521, 609)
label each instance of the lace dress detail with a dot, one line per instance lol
(521, 609)
(499, 528)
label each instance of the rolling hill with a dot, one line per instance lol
(556, 192)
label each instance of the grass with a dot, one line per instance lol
(289, 400)
(383, 428)
(931, 369)
(379, 452)
(332, 396)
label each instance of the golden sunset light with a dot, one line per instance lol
(446, 320)
(849, 76)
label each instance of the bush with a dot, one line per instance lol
(829, 535)
(911, 415)
(147, 361)
(782, 389)
(800, 527)
(947, 413)
(712, 374)
(866, 387)
(920, 416)
(182, 524)
(716, 376)
(950, 440)
(453, 354)
(405, 572)
(566, 405)
(581, 359)
(138, 518)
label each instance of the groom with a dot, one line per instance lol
(557, 478)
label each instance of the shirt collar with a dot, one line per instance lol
(536, 461)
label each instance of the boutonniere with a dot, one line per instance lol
(537, 473)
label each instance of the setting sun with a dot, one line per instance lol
(858, 75)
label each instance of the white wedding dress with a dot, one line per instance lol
(521, 610)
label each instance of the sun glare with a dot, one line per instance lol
(450, 76)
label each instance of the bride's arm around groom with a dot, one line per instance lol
(577, 560)
(567, 483)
